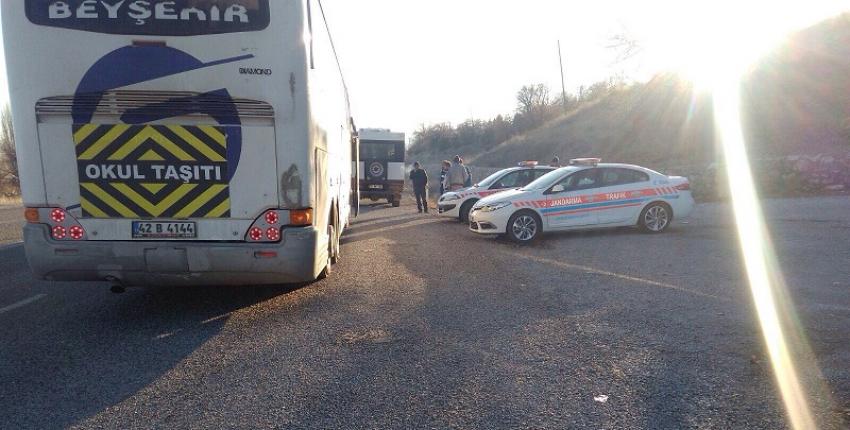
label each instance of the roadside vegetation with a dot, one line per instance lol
(9, 179)
(795, 110)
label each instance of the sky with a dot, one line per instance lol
(420, 62)
(413, 62)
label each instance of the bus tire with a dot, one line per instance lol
(336, 238)
(329, 261)
(396, 202)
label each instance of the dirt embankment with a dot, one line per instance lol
(11, 220)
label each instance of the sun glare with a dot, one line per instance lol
(723, 56)
(763, 271)
(708, 42)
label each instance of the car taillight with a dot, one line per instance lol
(256, 234)
(684, 187)
(59, 232)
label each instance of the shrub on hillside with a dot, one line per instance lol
(9, 180)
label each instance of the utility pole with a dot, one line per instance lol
(563, 84)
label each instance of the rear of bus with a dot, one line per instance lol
(164, 142)
(382, 158)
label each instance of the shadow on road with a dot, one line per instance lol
(102, 349)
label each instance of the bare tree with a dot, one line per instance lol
(625, 47)
(532, 97)
(9, 179)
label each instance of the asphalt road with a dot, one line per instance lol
(424, 325)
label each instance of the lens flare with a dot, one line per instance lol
(766, 281)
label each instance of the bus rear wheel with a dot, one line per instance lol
(335, 239)
(329, 262)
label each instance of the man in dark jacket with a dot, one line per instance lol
(419, 177)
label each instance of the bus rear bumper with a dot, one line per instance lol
(293, 260)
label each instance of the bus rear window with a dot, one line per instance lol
(152, 17)
(389, 151)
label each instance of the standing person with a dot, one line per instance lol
(443, 172)
(556, 162)
(468, 182)
(457, 176)
(419, 177)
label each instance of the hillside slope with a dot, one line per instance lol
(796, 102)
(648, 123)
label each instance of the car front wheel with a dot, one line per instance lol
(524, 227)
(465, 210)
(656, 218)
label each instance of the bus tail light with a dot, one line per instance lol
(272, 217)
(256, 234)
(273, 234)
(63, 226)
(76, 232)
(58, 216)
(59, 232)
(301, 217)
(267, 228)
(32, 216)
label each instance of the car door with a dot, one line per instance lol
(619, 194)
(567, 202)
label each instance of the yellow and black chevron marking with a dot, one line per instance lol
(152, 171)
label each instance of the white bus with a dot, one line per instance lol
(180, 142)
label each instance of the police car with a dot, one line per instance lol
(587, 194)
(457, 204)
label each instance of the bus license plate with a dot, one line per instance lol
(376, 187)
(164, 230)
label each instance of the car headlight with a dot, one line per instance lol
(449, 197)
(494, 206)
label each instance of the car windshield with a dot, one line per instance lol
(490, 180)
(548, 179)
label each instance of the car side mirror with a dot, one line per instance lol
(558, 189)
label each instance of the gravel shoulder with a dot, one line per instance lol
(11, 221)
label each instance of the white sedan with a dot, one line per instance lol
(457, 204)
(587, 194)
